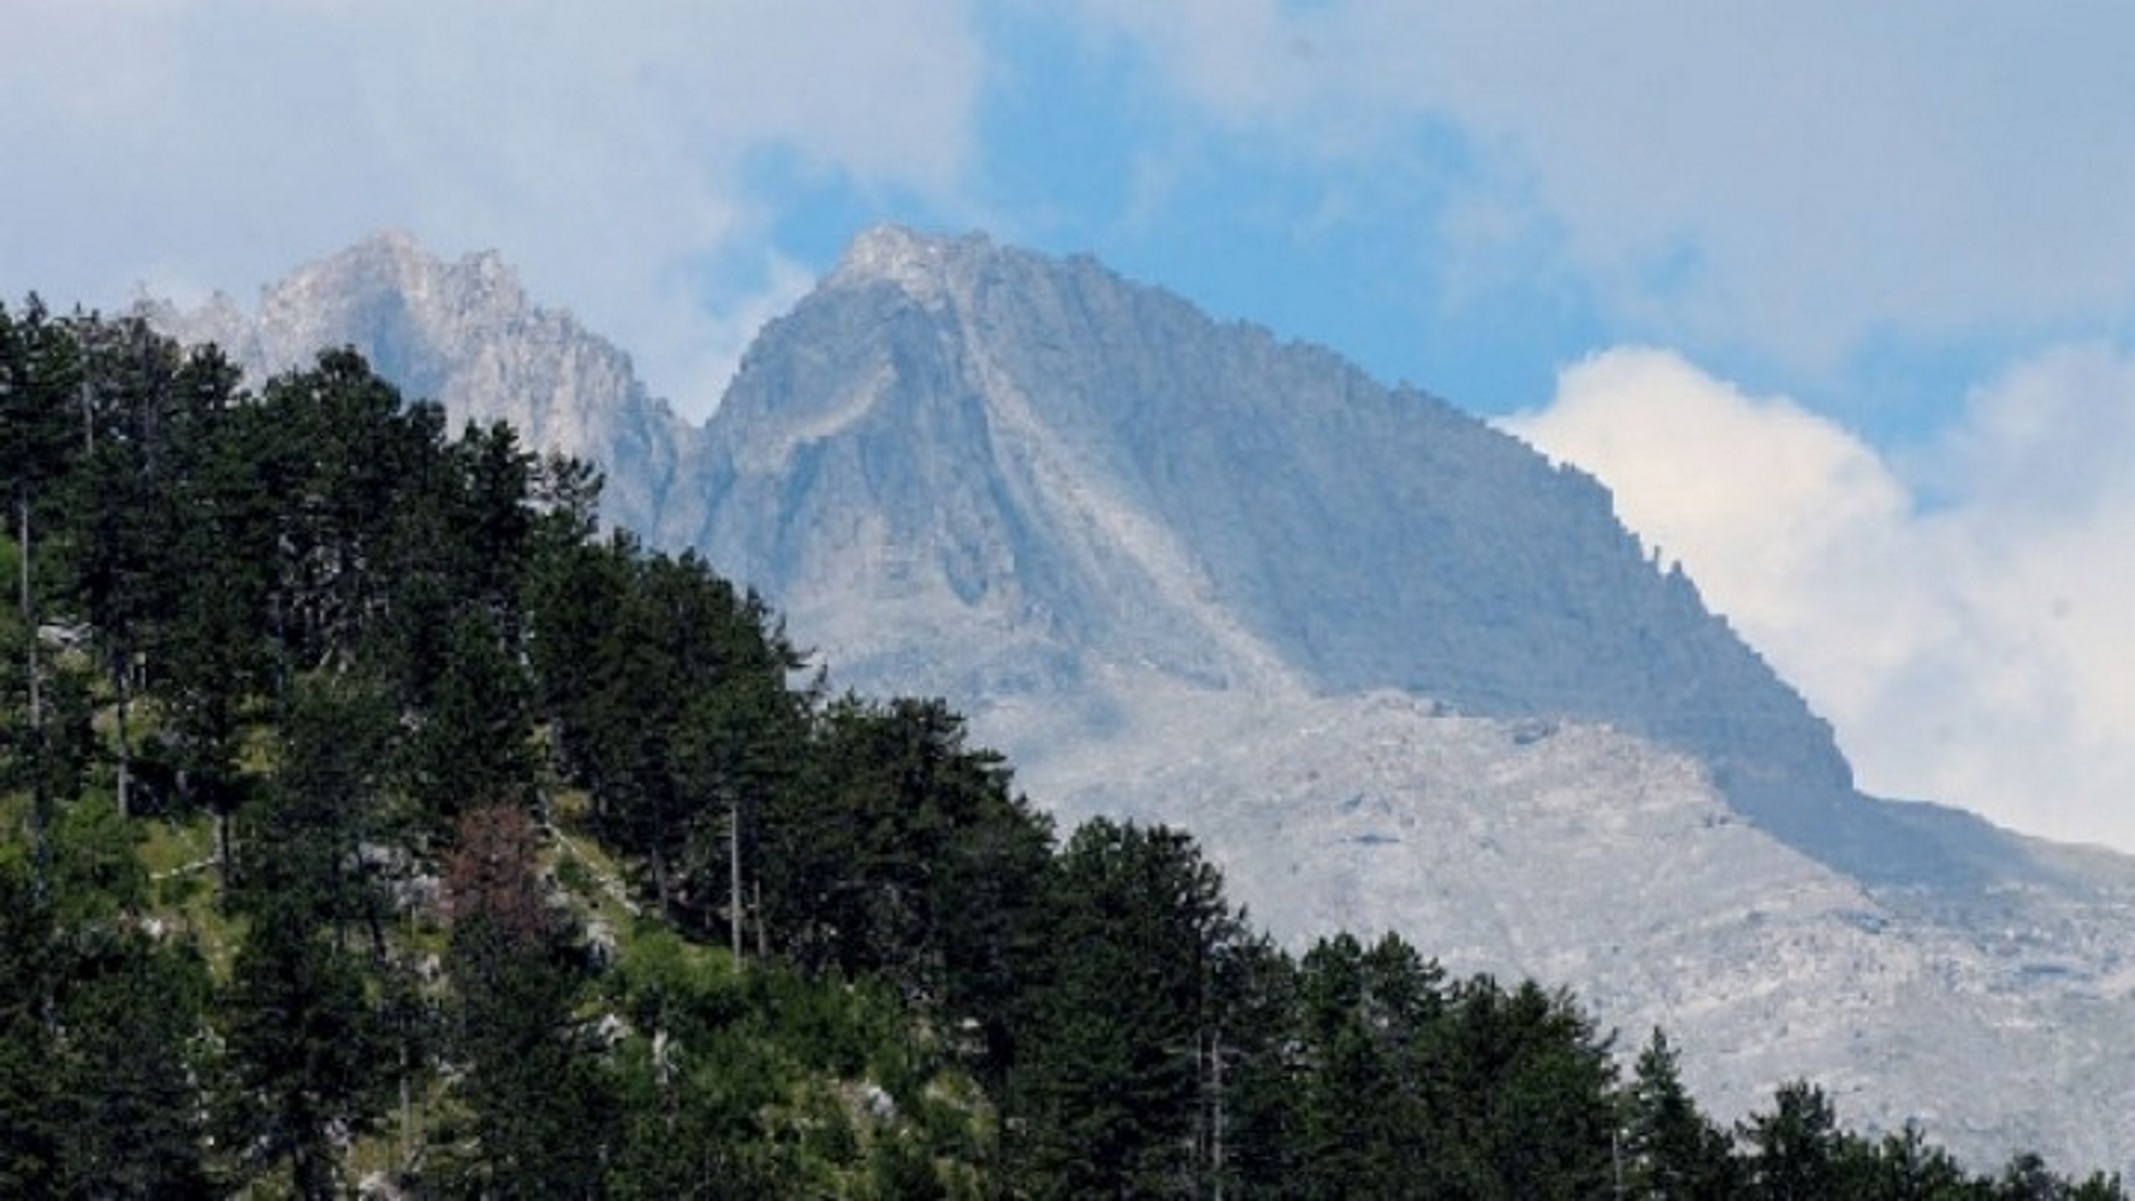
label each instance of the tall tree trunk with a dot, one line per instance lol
(122, 692)
(756, 906)
(222, 854)
(733, 856)
(40, 794)
(29, 611)
(659, 880)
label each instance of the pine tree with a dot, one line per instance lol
(1795, 1151)
(539, 1096)
(40, 384)
(1670, 1149)
(1367, 1078)
(310, 1034)
(1109, 1088)
(472, 746)
(309, 1049)
(1528, 1090)
(1904, 1166)
(118, 521)
(127, 1069)
(30, 1137)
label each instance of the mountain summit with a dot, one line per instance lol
(466, 335)
(1390, 665)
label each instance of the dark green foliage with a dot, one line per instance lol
(532, 1067)
(1371, 1097)
(1904, 1167)
(31, 1139)
(1796, 1150)
(310, 1039)
(334, 446)
(40, 389)
(1408, 1085)
(669, 695)
(41, 400)
(101, 1027)
(1251, 1126)
(1531, 1080)
(2027, 1178)
(309, 1049)
(146, 408)
(472, 748)
(1111, 1079)
(319, 817)
(455, 554)
(126, 1071)
(1669, 1149)
(903, 853)
(207, 654)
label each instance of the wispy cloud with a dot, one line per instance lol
(1781, 179)
(1958, 615)
(605, 148)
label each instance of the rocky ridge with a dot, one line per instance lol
(466, 335)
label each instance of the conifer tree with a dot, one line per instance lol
(40, 383)
(540, 1098)
(118, 521)
(471, 747)
(1528, 1090)
(30, 1138)
(1368, 1023)
(1796, 1149)
(127, 1071)
(309, 1050)
(1670, 1149)
(1109, 1088)
(311, 1043)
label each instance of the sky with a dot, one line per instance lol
(1837, 298)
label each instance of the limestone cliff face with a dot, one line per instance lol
(985, 472)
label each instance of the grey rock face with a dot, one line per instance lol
(951, 435)
(1394, 669)
(466, 336)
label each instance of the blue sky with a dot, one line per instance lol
(1838, 298)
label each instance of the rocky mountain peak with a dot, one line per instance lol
(929, 268)
(463, 334)
(389, 282)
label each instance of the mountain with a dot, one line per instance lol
(1097, 474)
(463, 334)
(1393, 668)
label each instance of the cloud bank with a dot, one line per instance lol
(1793, 180)
(1959, 613)
(612, 151)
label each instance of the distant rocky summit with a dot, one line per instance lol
(1394, 668)
(463, 334)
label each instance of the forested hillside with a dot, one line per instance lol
(374, 821)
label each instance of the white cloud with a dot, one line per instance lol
(611, 151)
(1973, 650)
(1791, 179)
